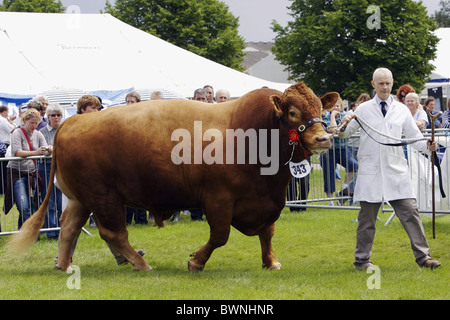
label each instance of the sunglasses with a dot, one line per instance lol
(55, 115)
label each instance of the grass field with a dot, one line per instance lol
(314, 247)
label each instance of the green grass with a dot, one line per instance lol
(314, 247)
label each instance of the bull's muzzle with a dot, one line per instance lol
(322, 144)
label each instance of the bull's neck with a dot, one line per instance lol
(266, 118)
(289, 150)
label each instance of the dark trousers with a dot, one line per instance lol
(298, 189)
(196, 214)
(140, 215)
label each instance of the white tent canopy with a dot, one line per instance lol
(442, 61)
(440, 77)
(91, 52)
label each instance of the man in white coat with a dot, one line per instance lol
(383, 173)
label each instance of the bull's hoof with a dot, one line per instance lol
(146, 268)
(194, 267)
(57, 267)
(275, 266)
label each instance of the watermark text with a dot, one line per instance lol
(230, 149)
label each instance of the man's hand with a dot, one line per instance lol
(432, 145)
(345, 120)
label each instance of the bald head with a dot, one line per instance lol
(382, 72)
(382, 82)
(222, 96)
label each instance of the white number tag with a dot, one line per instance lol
(300, 170)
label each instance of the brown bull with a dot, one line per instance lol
(130, 156)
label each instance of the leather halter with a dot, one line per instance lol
(302, 129)
(305, 126)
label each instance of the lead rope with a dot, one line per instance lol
(293, 144)
(406, 140)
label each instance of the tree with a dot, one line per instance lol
(335, 45)
(204, 27)
(32, 6)
(442, 17)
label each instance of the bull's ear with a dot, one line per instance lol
(329, 100)
(276, 101)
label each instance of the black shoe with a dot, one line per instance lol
(343, 196)
(341, 200)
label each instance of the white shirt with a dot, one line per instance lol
(421, 115)
(383, 172)
(5, 130)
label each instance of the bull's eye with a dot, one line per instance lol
(292, 114)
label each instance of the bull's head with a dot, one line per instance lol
(300, 108)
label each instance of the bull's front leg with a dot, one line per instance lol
(219, 220)
(269, 260)
(217, 239)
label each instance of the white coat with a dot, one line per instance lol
(383, 173)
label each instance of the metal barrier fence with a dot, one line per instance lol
(26, 196)
(330, 184)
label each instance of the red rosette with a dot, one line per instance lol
(293, 136)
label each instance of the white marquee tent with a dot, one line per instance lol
(440, 77)
(97, 52)
(442, 62)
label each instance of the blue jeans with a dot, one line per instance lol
(22, 198)
(328, 163)
(54, 210)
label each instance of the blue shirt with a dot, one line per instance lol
(338, 143)
(436, 123)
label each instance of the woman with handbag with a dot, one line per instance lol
(22, 178)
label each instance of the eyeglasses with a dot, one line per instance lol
(55, 115)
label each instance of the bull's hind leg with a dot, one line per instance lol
(269, 260)
(72, 220)
(112, 229)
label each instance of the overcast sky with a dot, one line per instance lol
(255, 16)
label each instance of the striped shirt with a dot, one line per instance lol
(446, 119)
(49, 133)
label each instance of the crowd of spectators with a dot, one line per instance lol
(31, 133)
(342, 155)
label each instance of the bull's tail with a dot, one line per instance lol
(20, 243)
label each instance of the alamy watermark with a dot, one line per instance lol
(220, 152)
(74, 281)
(74, 19)
(374, 281)
(374, 21)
